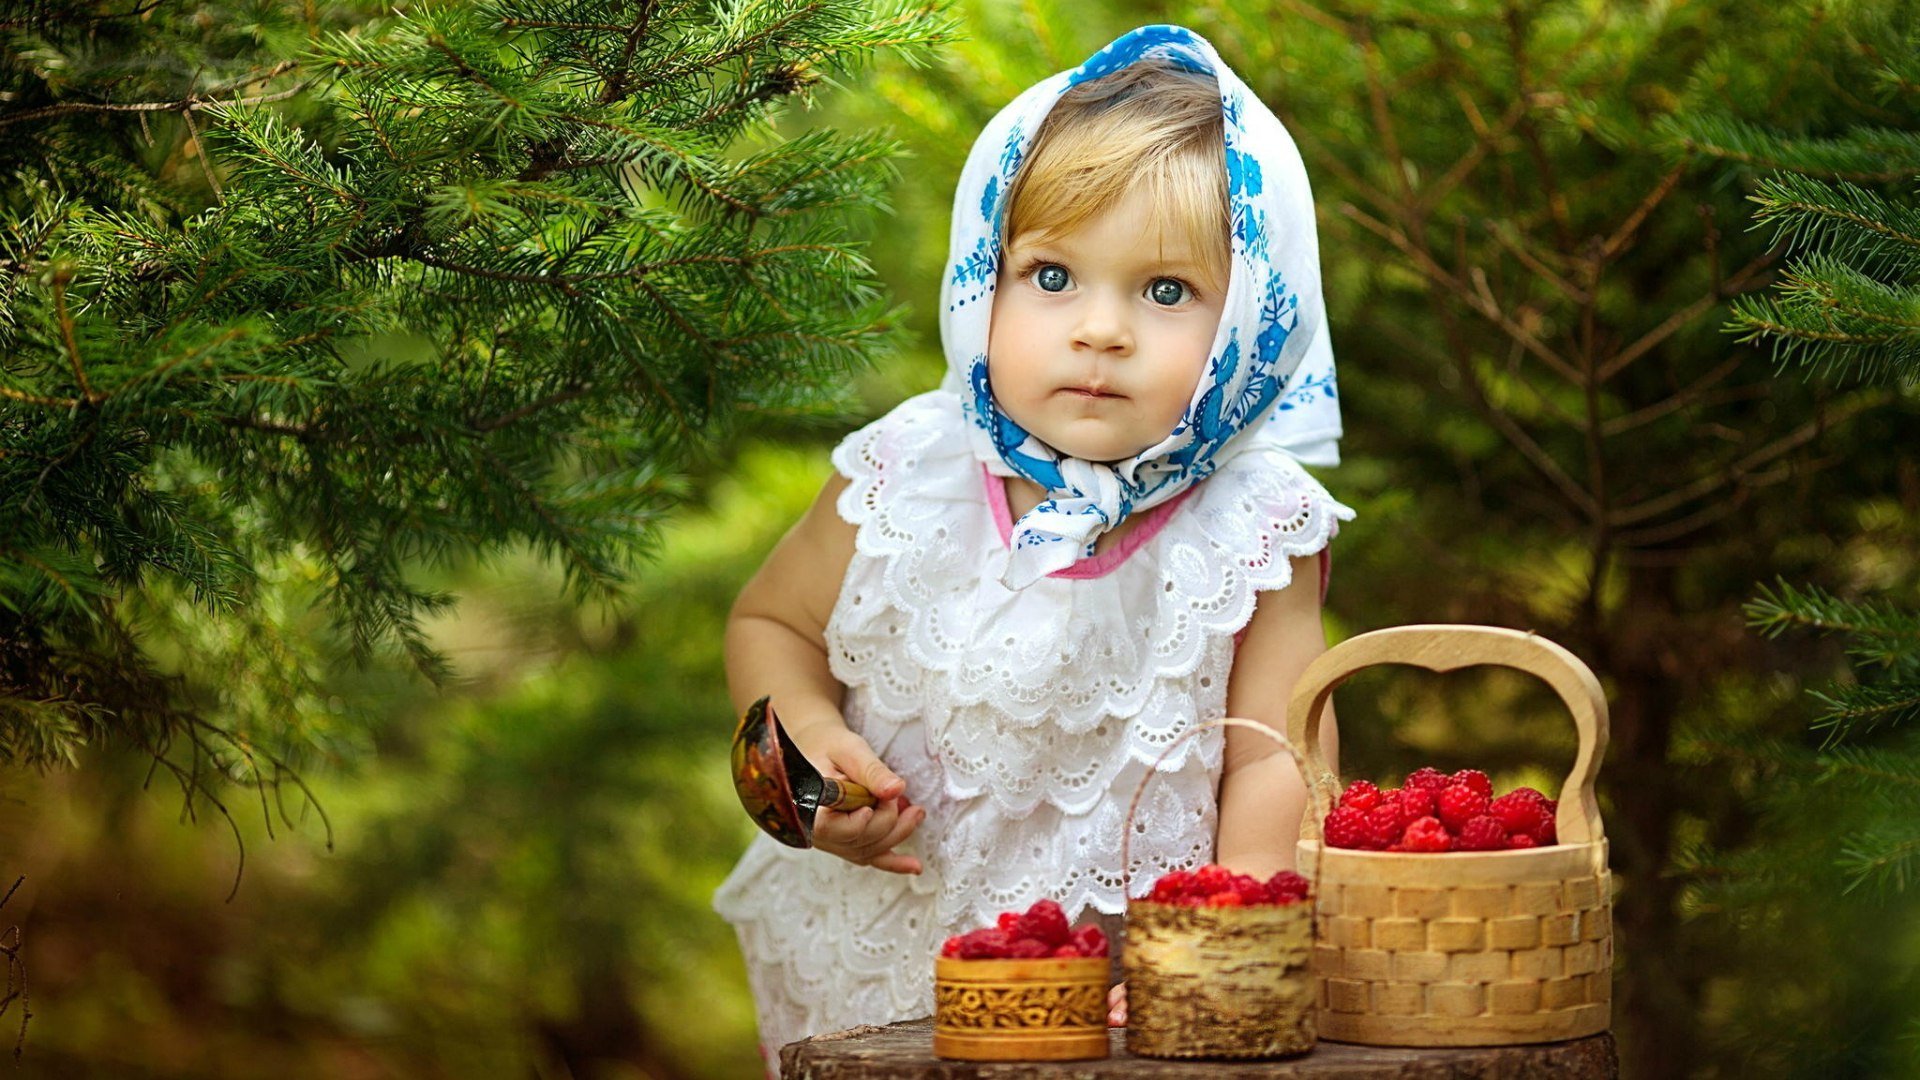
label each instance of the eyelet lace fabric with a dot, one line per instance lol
(1023, 721)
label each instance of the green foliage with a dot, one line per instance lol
(346, 296)
(1528, 240)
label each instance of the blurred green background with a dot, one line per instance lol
(521, 862)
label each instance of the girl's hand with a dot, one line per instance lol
(1117, 1005)
(866, 836)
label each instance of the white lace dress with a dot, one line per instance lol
(1022, 721)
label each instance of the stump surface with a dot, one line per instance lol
(904, 1051)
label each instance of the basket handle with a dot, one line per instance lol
(1446, 647)
(1126, 832)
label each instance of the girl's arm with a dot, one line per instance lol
(1262, 796)
(776, 645)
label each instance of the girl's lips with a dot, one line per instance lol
(1088, 392)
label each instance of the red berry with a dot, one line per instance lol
(1346, 828)
(1547, 833)
(1361, 795)
(1521, 840)
(1090, 940)
(1252, 892)
(1287, 887)
(1222, 899)
(1483, 833)
(1171, 887)
(1518, 813)
(1416, 803)
(1212, 878)
(985, 945)
(1068, 952)
(1429, 835)
(1029, 949)
(1458, 803)
(1046, 923)
(1474, 779)
(1530, 795)
(1383, 825)
(1429, 778)
(1010, 922)
(951, 946)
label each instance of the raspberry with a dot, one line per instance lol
(1519, 813)
(1029, 949)
(1046, 923)
(1212, 878)
(1090, 940)
(1427, 834)
(1430, 778)
(1068, 952)
(1171, 887)
(1251, 891)
(1458, 803)
(1346, 828)
(1383, 825)
(985, 945)
(951, 946)
(1546, 833)
(1361, 795)
(1521, 840)
(1474, 779)
(1416, 803)
(1010, 922)
(1483, 833)
(1530, 795)
(1286, 887)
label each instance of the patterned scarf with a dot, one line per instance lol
(1269, 379)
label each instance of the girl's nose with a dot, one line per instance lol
(1103, 325)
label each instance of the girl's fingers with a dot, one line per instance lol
(909, 820)
(895, 862)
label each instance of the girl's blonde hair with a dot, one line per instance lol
(1149, 127)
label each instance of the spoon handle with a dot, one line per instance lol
(844, 795)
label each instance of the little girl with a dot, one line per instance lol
(1095, 535)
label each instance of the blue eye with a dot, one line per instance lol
(1167, 291)
(1051, 278)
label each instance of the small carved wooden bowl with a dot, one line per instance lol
(1047, 1009)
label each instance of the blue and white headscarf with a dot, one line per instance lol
(1270, 379)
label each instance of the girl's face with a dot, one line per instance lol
(1099, 336)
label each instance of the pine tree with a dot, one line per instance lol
(298, 299)
(1841, 803)
(1527, 267)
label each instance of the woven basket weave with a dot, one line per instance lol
(1463, 948)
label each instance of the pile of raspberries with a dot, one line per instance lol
(1042, 931)
(1435, 812)
(1217, 886)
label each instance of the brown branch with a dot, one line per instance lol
(558, 397)
(1622, 236)
(616, 86)
(1622, 424)
(60, 279)
(1735, 471)
(193, 102)
(1484, 305)
(1673, 323)
(32, 399)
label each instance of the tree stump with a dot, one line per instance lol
(904, 1051)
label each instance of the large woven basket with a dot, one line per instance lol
(1229, 982)
(1462, 948)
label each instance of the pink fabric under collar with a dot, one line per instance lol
(1100, 564)
(1106, 561)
